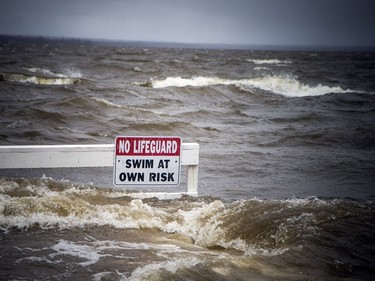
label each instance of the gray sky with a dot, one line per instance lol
(270, 22)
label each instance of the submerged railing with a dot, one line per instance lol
(91, 155)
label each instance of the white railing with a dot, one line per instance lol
(90, 155)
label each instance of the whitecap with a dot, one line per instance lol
(38, 80)
(287, 85)
(269, 61)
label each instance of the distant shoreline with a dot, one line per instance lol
(177, 45)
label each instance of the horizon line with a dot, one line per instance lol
(197, 45)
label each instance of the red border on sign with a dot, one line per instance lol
(148, 146)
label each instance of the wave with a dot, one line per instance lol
(290, 87)
(258, 68)
(38, 80)
(269, 61)
(134, 110)
(45, 71)
(283, 85)
(106, 102)
(253, 226)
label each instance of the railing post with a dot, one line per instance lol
(190, 158)
(192, 180)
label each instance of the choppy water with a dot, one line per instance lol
(286, 175)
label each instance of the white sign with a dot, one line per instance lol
(147, 161)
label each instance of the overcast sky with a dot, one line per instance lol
(270, 22)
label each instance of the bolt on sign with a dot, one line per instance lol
(147, 161)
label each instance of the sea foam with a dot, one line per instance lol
(48, 204)
(288, 86)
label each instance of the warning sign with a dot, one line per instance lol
(147, 161)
